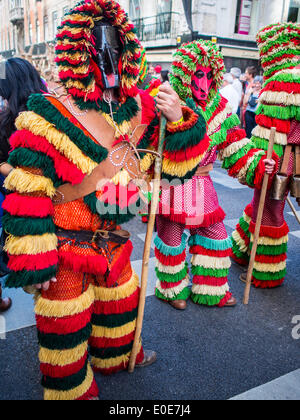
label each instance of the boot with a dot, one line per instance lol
(6, 303)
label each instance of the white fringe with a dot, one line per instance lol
(170, 269)
(171, 293)
(210, 290)
(211, 262)
(265, 133)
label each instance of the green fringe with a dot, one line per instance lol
(271, 249)
(280, 54)
(233, 159)
(258, 275)
(280, 112)
(250, 177)
(65, 342)
(238, 253)
(280, 67)
(22, 226)
(29, 278)
(115, 320)
(185, 178)
(261, 143)
(206, 299)
(110, 352)
(67, 383)
(39, 104)
(184, 295)
(33, 159)
(172, 278)
(284, 77)
(209, 272)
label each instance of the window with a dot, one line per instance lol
(54, 23)
(46, 28)
(294, 11)
(135, 9)
(243, 17)
(164, 6)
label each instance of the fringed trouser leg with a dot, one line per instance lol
(241, 238)
(171, 266)
(63, 317)
(211, 250)
(114, 324)
(270, 261)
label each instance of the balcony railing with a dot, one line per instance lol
(16, 15)
(162, 26)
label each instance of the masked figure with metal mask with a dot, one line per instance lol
(279, 106)
(77, 157)
(197, 75)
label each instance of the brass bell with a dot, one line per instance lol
(295, 186)
(280, 187)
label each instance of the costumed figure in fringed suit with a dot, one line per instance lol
(76, 161)
(197, 75)
(279, 106)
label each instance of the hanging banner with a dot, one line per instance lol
(245, 17)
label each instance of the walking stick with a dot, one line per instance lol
(147, 249)
(293, 209)
(259, 220)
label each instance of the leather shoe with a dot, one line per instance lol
(5, 304)
(150, 357)
(232, 302)
(180, 305)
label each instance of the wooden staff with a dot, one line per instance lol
(293, 209)
(259, 220)
(147, 249)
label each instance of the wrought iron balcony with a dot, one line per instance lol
(16, 15)
(162, 26)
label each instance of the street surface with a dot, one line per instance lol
(203, 353)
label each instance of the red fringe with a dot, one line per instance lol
(241, 163)
(33, 262)
(148, 107)
(190, 119)
(100, 343)
(199, 250)
(118, 266)
(243, 235)
(234, 136)
(223, 302)
(24, 206)
(282, 126)
(65, 325)
(276, 86)
(93, 392)
(260, 172)
(170, 261)
(63, 371)
(208, 219)
(267, 284)
(249, 210)
(83, 264)
(122, 366)
(210, 281)
(190, 153)
(166, 285)
(277, 59)
(117, 306)
(270, 259)
(240, 261)
(271, 231)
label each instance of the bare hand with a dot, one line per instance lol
(45, 286)
(270, 166)
(168, 103)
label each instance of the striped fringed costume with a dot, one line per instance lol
(194, 203)
(279, 107)
(92, 308)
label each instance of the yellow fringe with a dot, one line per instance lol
(264, 133)
(147, 162)
(60, 309)
(79, 85)
(77, 70)
(122, 178)
(25, 182)
(270, 268)
(103, 332)
(62, 357)
(73, 394)
(40, 127)
(180, 169)
(118, 293)
(122, 129)
(211, 262)
(113, 362)
(31, 245)
(210, 290)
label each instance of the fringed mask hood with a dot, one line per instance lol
(78, 58)
(279, 47)
(185, 64)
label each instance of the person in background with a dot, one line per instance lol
(250, 74)
(251, 99)
(230, 93)
(21, 80)
(164, 76)
(237, 84)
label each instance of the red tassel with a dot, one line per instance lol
(105, 343)
(199, 250)
(241, 163)
(118, 267)
(223, 302)
(28, 206)
(270, 259)
(271, 231)
(282, 126)
(148, 107)
(165, 285)
(210, 281)
(243, 235)
(267, 284)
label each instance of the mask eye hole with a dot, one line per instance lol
(209, 76)
(199, 74)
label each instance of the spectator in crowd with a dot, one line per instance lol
(230, 93)
(250, 74)
(164, 76)
(251, 100)
(21, 80)
(237, 84)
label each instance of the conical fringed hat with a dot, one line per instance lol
(279, 47)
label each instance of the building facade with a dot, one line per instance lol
(29, 26)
